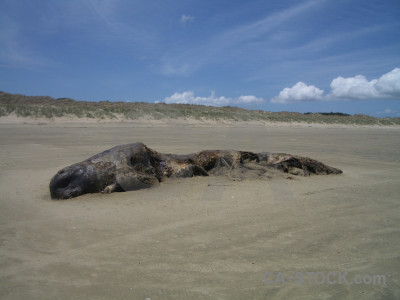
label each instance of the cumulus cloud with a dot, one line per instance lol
(189, 97)
(358, 87)
(351, 88)
(389, 83)
(299, 92)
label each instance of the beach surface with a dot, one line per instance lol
(317, 237)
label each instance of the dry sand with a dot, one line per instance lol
(201, 238)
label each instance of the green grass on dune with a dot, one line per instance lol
(47, 107)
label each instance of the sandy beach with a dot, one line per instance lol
(203, 237)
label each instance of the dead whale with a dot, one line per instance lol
(135, 166)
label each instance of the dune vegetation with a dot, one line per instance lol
(50, 108)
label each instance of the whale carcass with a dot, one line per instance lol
(136, 166)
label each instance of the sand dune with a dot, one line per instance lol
(202, 237)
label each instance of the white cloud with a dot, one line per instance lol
(182, 70)
(389, 83)
(350, 88)
(388, 112)
(249, 99)
(189, 97)
(299, 92)
(358, 87)
(185, 19)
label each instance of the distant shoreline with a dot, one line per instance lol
(20, 109)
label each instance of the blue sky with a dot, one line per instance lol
(306, 56)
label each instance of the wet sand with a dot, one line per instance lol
(203, 237)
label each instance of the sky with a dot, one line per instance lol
(305, 56)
